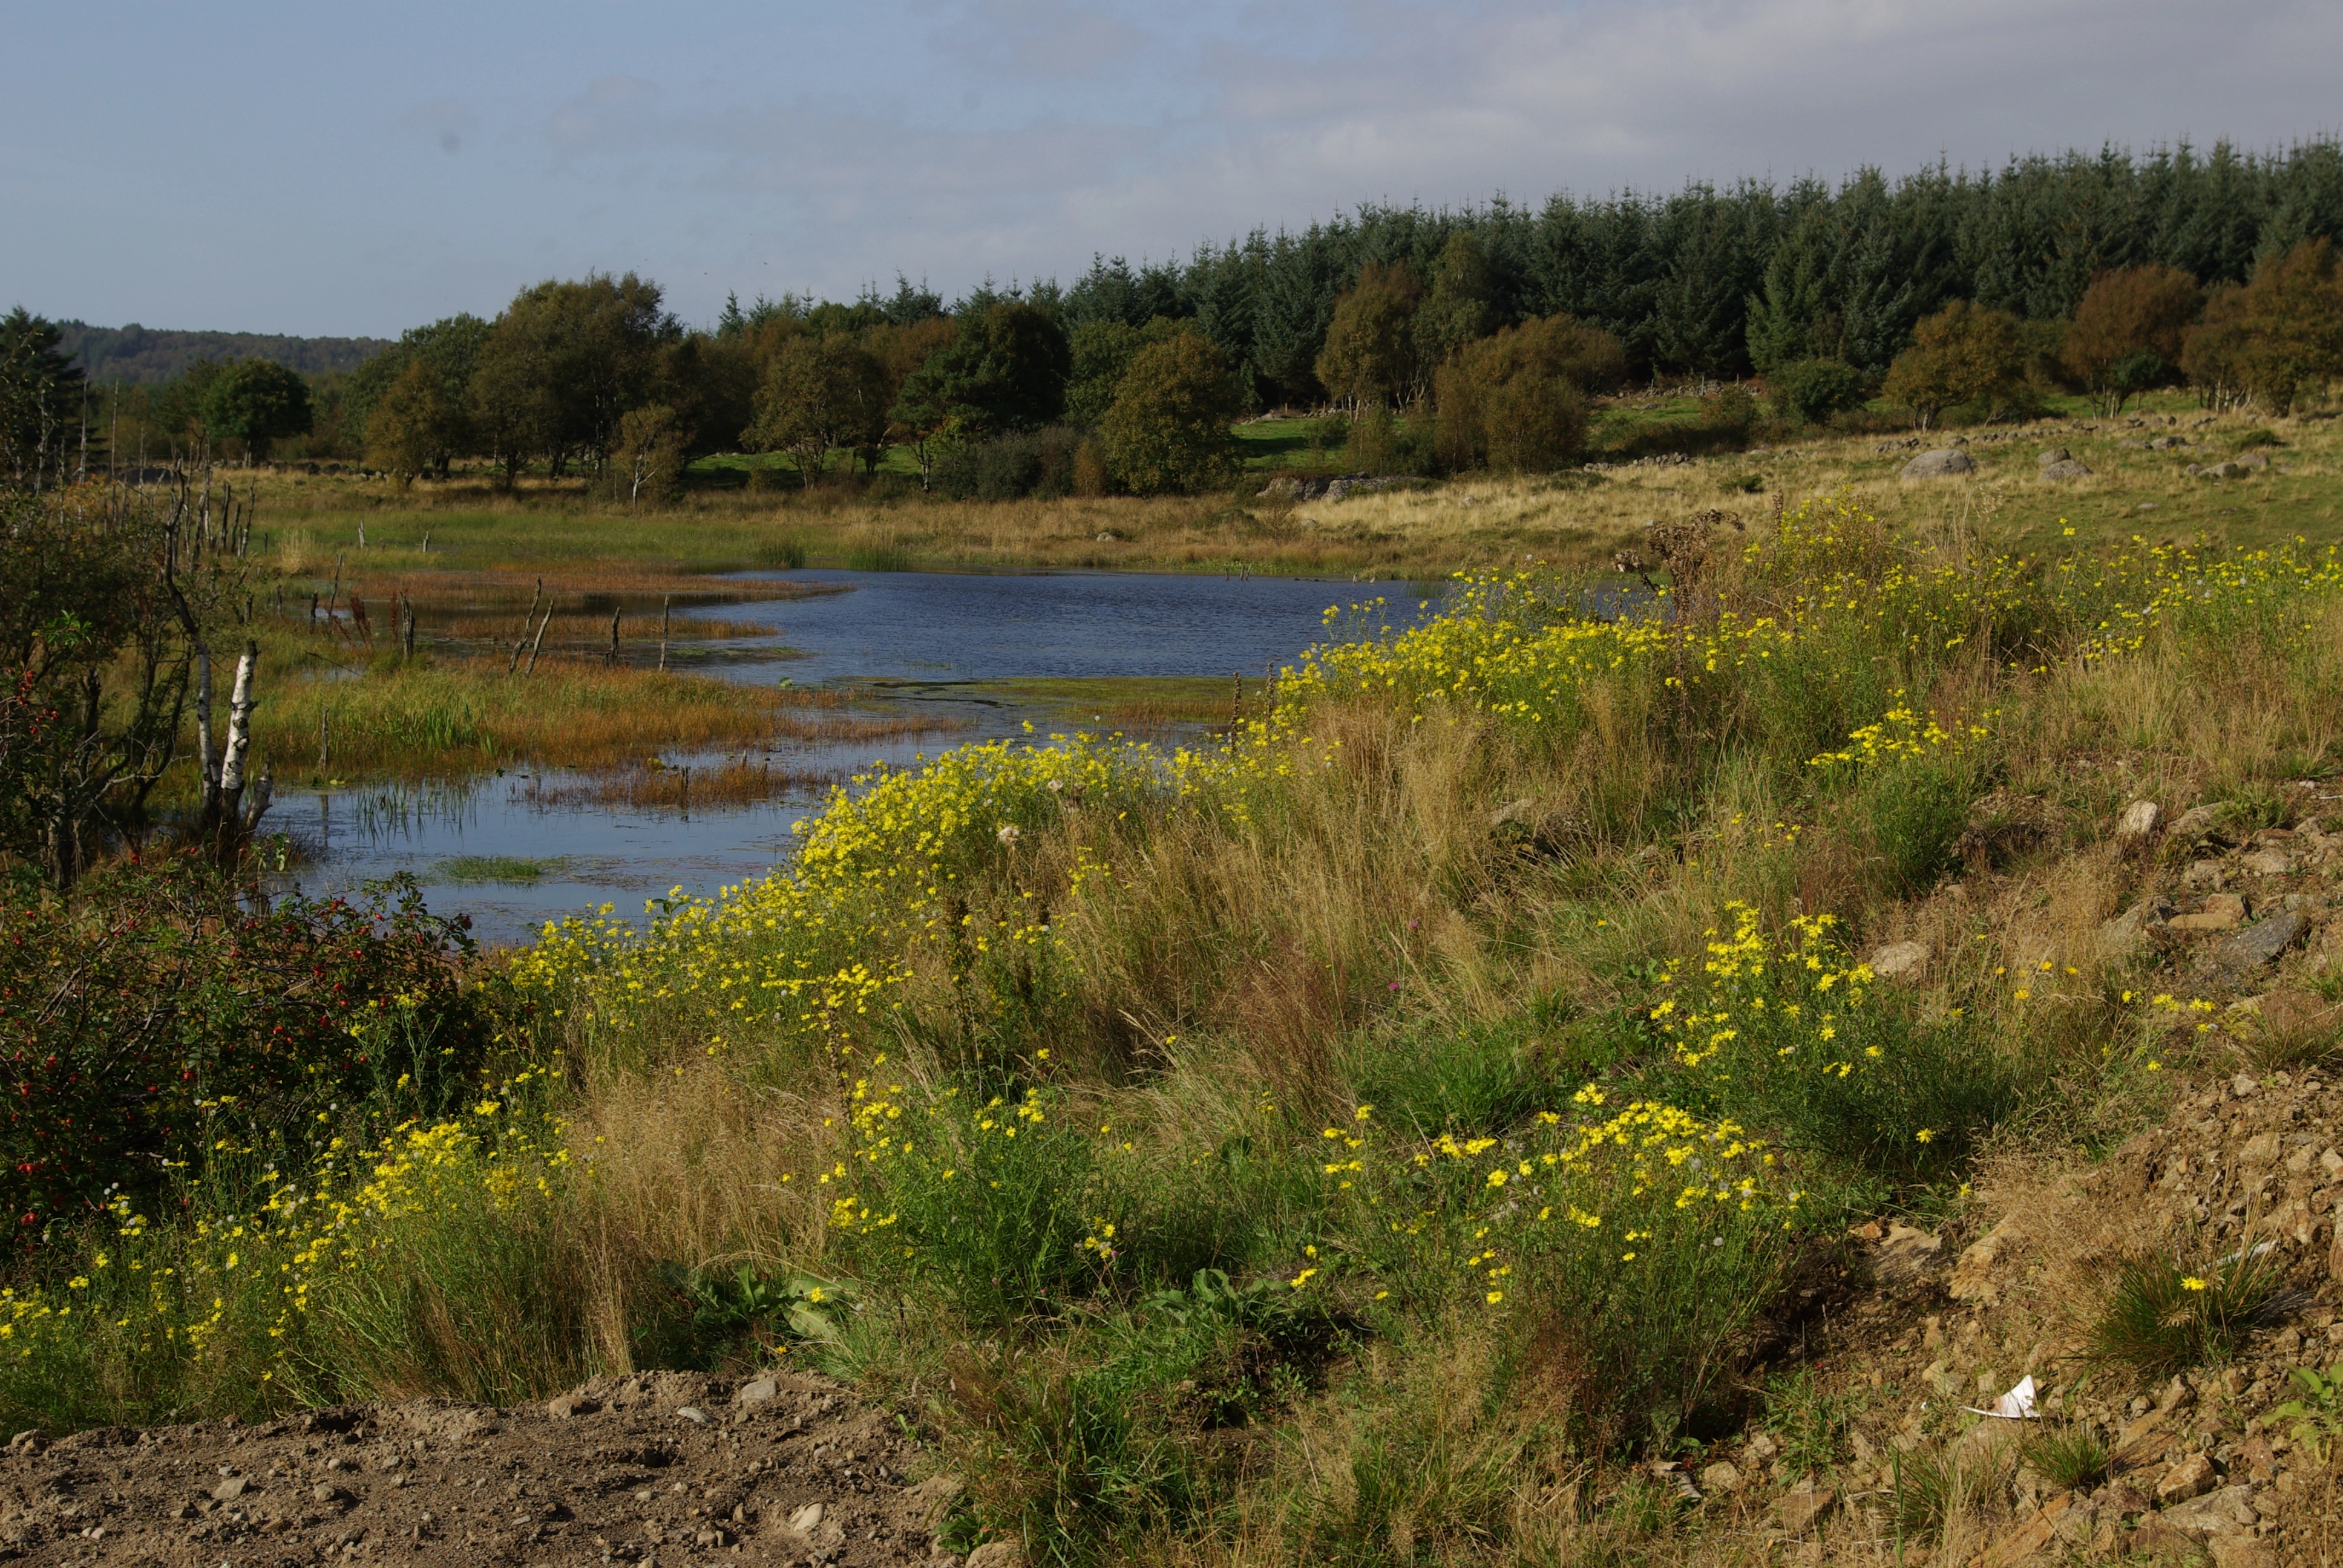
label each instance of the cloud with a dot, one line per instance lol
(445, 120)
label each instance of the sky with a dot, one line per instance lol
(329, 170)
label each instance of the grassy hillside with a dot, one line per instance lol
(1361, 1140)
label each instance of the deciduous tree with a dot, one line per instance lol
(1965, 352)
(2127, 332)
(1167, 427)
(255, 402)
(1371, 357)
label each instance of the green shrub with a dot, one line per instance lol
(1812, 390)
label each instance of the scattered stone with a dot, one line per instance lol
(2197, 822)
(2137, 825)
(228, 1491)
(1804, 1507)
(327, 1492)
(1973, 1275)
(2069, 468)
(807, 1520)
(1006, 1552)
(1721, 1477)
(714, 1535)
(2030, 1537)
(29, 1442)
(2203, 875)
(2244, 1087)
(1904, 1256)
(2261, 943)
(762, 1391)
(2051, 455)
(1900, 960)
(1939, 465)
(694, 1414)
(2192, 1477)
(2267, 863)
(2240, 1551)
(2127, 932)
(564, 1406)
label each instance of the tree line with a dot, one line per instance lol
(1942, 289)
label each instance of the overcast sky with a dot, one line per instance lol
(336, 169)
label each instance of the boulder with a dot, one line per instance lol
(2065, 468)
(2263, 942)
(1941, 464)
(2051, 455)
(1899, 960)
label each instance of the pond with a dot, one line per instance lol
(978, 654)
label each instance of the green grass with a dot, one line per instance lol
(2158, 1317)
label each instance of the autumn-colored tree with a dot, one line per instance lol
(1167, 427)
(1370, 360)
(647, 455)
(2276, 336)
(416, 426)
(1963, 354)
(2127, 332)
(1513, 401)
(820, 394)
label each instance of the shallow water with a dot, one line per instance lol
(906, 640)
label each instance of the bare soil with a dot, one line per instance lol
(663, 1467)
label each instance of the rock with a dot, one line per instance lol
(228, 1491)
(2137, 822)
(2259, 1150)
(1007, 1553)
(2192, 1477)
(934, 1498)
(693, 1414)
(2267, 863)
(2197, 822)
(1803, 1508)
(1899, 960)
(1902, 1257)
(2240, 1551)
(2068, 469)
(1761, 1447)
(1973, 1275)
(2251, 461)
(2227, 905)
(31, 1441)
(2218, 917)
(762, 1391)
(2127, 932)
(807, 1520)
(1939, 465)
(327, 1492)
(2049, 454)
(564, 1406)
(2243, 1087)
(1721, 1477)
(2262, 943)
(714, 1535)
(2030, 1537)
(2203, 874)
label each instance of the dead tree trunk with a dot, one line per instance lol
(239, 741)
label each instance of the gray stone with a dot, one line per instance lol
(2262, 943)
(694, 1414)
(228, 1491)
(1900, 960)
(807, 1520)
(2267, 863)
(761, 1391)
(2049, 454)
(1941, 464)
(2198, 822)
(2127, 932)
(2137, 825)
(2067, 468)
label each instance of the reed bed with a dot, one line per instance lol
(438, 717)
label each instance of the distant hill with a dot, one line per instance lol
(135, 354)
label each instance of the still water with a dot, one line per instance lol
(493, 847)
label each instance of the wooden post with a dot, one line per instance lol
(323, 754)
(666, 602)
(407, 627)
(614, 638)
(514, 663)
(540, 640)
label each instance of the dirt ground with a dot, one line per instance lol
(660, 1468)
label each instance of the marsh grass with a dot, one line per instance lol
(444, 718)
(494, 869)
